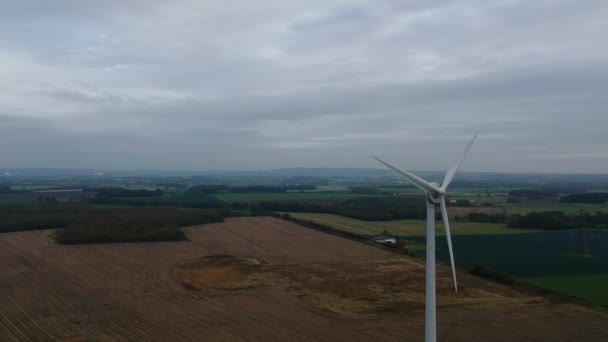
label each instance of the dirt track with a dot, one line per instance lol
(128, 292)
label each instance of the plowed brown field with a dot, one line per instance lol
(135, 292)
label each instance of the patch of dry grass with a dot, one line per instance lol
(358, 288)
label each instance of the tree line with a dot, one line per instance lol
(134, 225)
(79, 222)
(554, 220)
(363, 208)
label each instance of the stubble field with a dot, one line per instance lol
(288, 283)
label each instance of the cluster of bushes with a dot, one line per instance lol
(487, 218)
(213, 189)
(363, 208)
(121, 192)
(271, 188)
(587, 198)
(240, 205)
(200, 203)
(597, 220)
(207, 189)
(461, 203)
(483, 272)
(541, 220)
(511, 199)
(46, 199)
(5, 189)
(175, 185)
(363, 190)
(325, 228)
(532, 193)
(195, 199)
(133, 225)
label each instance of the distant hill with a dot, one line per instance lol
(464, 178)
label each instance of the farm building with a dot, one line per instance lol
(385, 239)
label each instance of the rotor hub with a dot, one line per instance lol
(433, 196)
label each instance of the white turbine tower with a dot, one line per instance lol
(435, 194)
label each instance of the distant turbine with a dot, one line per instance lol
(434, 194)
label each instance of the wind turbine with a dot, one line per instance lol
(435, 194)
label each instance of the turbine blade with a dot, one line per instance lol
(451, 172)
(446, 225)
(412, 178)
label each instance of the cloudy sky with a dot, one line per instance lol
(119, 84)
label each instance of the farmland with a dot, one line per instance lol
(291, 284)
(288, 196)
(405, 227)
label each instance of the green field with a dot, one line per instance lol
(545, 259)
(591, 287)
(284, 196)
(405, 227)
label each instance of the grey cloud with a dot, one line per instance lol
(189, 84)
(518, 91)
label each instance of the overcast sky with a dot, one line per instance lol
(119, 84)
